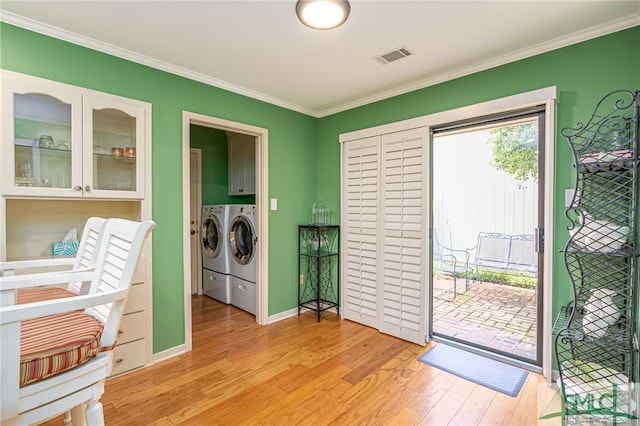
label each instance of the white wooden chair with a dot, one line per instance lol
(82, 331)
(84, 259)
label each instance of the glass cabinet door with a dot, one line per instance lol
(114, 148)
(41, 143)
(64, 141)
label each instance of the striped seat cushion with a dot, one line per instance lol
(57, 343)
(30, 295)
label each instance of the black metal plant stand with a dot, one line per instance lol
(318, 268)
(596, 334)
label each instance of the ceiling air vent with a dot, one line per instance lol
(394, 55)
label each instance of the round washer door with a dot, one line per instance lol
(211, 236)
(241, 240)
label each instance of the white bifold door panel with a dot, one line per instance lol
(385, 226)
(360, 191)
(404, 248)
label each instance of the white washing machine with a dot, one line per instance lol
(242, 256)
(215, 251)
(242, 241)
(216, 281)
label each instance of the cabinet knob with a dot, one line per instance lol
(77, 188)
(241, 190)
(119, 360)
(193, 232)
(87, 188)
(120, 331)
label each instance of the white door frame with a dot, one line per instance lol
(262, 213)
(197, 200)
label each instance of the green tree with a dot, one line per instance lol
(515, 150)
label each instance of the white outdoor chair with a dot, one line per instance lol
(56, 354)
(85, 258)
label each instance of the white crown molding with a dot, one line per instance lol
(580, 36)
(38, 27)
(560, 42)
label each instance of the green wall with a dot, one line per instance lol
(582, 73)
(304, 153)
(292, 159)
(213, 145)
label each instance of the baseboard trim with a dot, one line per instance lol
(282, 315)
(169, 353)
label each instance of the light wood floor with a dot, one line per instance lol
(335, 372)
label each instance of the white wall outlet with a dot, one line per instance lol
(274, 204)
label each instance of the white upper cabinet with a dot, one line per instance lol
(65, 141)
(242, 164)
(113, 159)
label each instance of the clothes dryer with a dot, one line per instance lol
(242, 237)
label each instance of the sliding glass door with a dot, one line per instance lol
(486, 233)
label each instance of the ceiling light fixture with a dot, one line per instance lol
(323, 14)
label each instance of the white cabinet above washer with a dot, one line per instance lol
(242, 164)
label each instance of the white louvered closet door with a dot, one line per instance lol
(360, 201)
(403, 280)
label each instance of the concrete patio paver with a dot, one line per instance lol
(495, 316)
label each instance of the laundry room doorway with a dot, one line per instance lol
(260, 138)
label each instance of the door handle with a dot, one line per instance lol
(539, 240)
